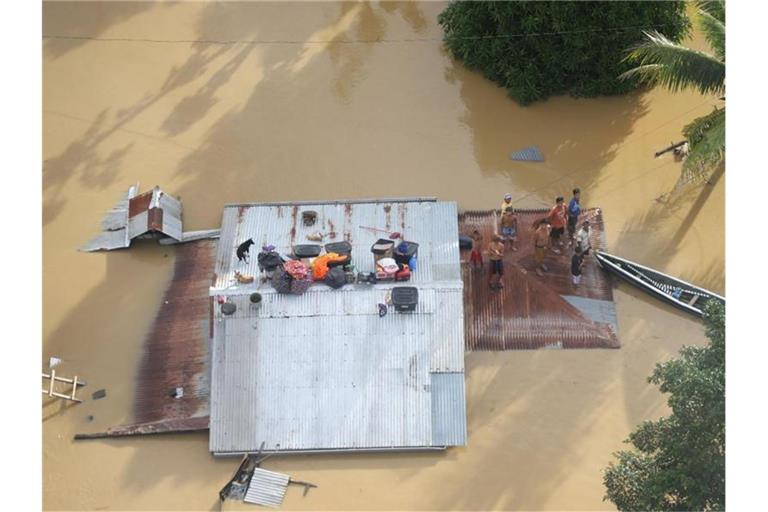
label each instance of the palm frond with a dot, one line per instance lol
(714, 33)
(706, 137)
(674, 66)
(715, 8)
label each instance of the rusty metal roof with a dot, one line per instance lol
(321, 371)
(156, 211)
(531, 311)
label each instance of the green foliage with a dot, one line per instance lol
(661, 61)
(706, 137)
(540, 49)
(679, 461)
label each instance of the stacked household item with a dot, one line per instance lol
(386, 269)
(405, 254)
(341, 269)
(394, 263)
(300, 276)
(405, 298)
(269, 260)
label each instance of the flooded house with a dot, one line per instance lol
(341, 368)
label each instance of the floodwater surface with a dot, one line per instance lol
(229, 102)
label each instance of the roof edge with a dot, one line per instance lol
(426, 199)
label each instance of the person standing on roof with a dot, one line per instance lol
(577, 262)
(495, 254)
(583, 236)
(506, 203)
(558, 216)
(541, 234)
(509, 227)
(574, 210)
(476, 255)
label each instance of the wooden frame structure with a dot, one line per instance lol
(54, 379)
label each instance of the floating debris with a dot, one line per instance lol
(53, 378)
(98, 395)
(267, 488)
(529, 154)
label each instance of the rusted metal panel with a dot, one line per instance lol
(155, 219)
(176, 347)
(140, 203)
(169, 426)
(531, 311)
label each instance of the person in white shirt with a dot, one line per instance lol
(583, 236)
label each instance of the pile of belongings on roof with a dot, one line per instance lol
(394, 263)
(333, 267)
(296, 274)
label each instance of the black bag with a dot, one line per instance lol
(282, 281)
(269, 260)
(336, 278)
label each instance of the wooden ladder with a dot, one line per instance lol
(55, 378)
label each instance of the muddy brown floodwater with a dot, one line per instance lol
(130, 96)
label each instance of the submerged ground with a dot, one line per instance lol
(171, 94)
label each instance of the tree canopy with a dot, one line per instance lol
(678, 462)
(659, 60)
(540, 49)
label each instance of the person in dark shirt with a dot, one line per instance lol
(577, 261)
(574, 210)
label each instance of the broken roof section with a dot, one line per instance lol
(322, 371)
(135, 215)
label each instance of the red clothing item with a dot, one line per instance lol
(558, 216)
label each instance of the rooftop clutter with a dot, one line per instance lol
(332, 265)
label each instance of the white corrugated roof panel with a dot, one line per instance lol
(322, 371)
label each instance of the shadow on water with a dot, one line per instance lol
(578, 138)
(83, 20)
(82, 157)
(680, 215)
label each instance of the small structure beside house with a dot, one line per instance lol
(323, 371)
(153, 214)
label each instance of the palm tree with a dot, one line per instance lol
(676, 67)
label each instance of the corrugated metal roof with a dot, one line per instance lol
(114, 234)
(322, 371)
(531, 311)
(135, 215)
(267, 488)
(431, 224)
(448, 409)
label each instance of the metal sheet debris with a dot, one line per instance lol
(267, 488)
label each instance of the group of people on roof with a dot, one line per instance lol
(548, 235)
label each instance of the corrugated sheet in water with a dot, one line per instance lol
(267, 488)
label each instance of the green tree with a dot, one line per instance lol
(540, 49)
(660, 60)
(679, 461)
